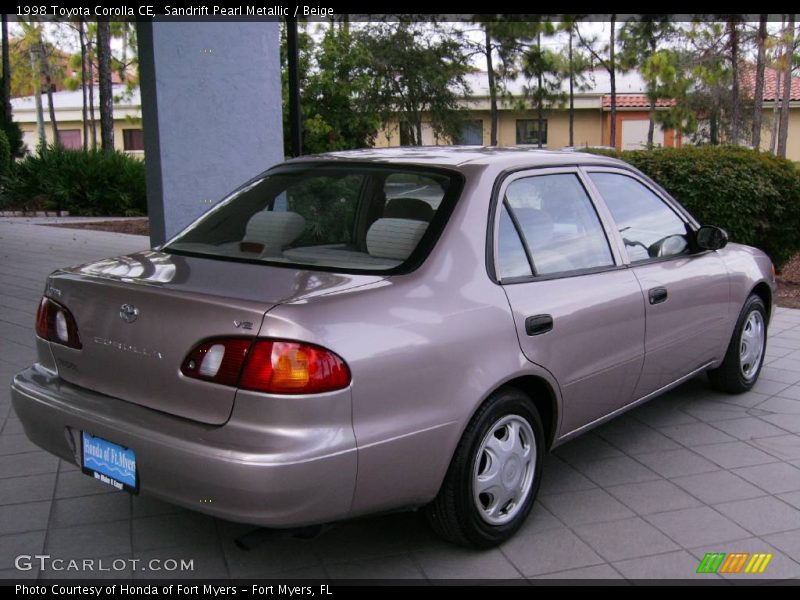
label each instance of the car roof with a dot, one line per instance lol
(459, 156)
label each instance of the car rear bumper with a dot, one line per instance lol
(251, 469)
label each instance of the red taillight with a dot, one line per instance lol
(56, 324)
(271, 366)
(283, 367)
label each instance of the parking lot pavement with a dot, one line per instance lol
(644, 496)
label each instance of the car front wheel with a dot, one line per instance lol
(495, 473)
(745, 355)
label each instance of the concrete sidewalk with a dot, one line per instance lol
(645, 496)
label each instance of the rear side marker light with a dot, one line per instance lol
(270, 366)
(56, 324)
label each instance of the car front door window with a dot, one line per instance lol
(649, 228)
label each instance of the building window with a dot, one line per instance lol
(471, 133)
(528, 132)
(70, 138)
(133, 140)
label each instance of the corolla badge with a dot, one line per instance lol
(128, 313)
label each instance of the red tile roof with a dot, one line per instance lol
(636, 101)
(749, 83)
(748, 87)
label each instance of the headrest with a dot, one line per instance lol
(272, 230)
(408, 208)
(394, 238)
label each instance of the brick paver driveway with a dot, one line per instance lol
(645, 496)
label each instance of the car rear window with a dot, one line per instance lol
(348, 218)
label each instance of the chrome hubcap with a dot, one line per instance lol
(504, 469)
(751, 345)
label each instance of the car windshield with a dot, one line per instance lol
(342, 217)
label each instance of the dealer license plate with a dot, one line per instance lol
(110, 463)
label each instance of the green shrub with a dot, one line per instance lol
(5, 155)
(92, 183)
(755, 196)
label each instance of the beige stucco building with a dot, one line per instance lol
(592, 118)
(515, 127)
(771, 87)
(128, 135)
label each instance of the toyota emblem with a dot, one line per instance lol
(128, 313)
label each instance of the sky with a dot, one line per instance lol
(67, 38)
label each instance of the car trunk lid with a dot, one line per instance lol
(178, 302)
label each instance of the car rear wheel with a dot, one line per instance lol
(494, 476)
(745, 355)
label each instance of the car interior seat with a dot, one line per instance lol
(394, 238)
(269, 232)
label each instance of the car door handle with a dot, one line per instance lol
(657, 295)
(538, 324)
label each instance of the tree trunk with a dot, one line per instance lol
(6, 68)
(713, 126)
(776, 114)
(758, 95)
(612, 71)
(492, 87)
(106, 97)
(48, 86)
(90, 67)
(37, 94)
(733, 32)
(571, 94)
(82, 36)
(776, 105)
(651, 127)
(123, 75)
(783, 131)
(540, 93)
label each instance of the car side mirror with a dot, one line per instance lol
(709, 237)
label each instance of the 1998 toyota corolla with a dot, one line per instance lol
(378, 330)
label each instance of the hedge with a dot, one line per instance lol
(753, 195)
(92, 183)
(5, 155)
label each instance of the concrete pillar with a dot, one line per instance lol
(211, 111)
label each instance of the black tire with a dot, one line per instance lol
(454, 513)
(729, 376)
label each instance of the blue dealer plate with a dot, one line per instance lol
(110, 463)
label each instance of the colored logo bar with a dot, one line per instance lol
(737, 562)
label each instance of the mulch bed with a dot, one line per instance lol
(789, 284)
(788, 280)
(132, 226)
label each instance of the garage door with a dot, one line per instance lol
(634, 134)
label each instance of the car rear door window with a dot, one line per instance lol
(512, 259)
(558, 224)
(649, 228)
